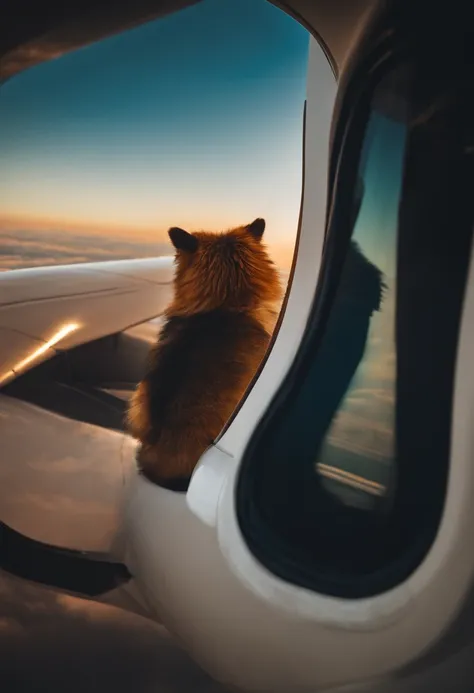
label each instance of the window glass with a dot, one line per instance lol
(343, 429)
(357, 453)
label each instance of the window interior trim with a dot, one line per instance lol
(334, 252)
(284, 304)
(259, 540)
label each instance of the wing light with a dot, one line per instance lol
(59, 335)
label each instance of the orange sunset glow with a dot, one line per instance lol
(114, 143)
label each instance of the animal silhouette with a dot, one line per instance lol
(215, 335)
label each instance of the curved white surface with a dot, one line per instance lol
(16, 348)
(321, 93)
(240, 622)
(40, 283)
(248, 628)
(46, 309)
(61, 480)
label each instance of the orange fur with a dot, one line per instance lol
(230, 270)
(216, 332)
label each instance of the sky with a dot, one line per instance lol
(192, 120)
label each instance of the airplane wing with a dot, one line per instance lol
(74, 340)
(47, 310)
(73, 344)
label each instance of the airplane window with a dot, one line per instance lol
(192, 120)
(354, 450)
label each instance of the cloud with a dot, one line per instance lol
(355, 434)
(374, 400)
(20, 262)
(364, 425)
(26, 248)
(21, 248)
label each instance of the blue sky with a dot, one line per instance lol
(381, 167)
(191, 120)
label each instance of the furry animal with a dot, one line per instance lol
(215, 335)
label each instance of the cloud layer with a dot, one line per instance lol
(23, 248)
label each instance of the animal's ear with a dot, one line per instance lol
(182, 240)
(256, 228)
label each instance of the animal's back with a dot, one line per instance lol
(200, 369)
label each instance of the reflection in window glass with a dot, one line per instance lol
(357, 455)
